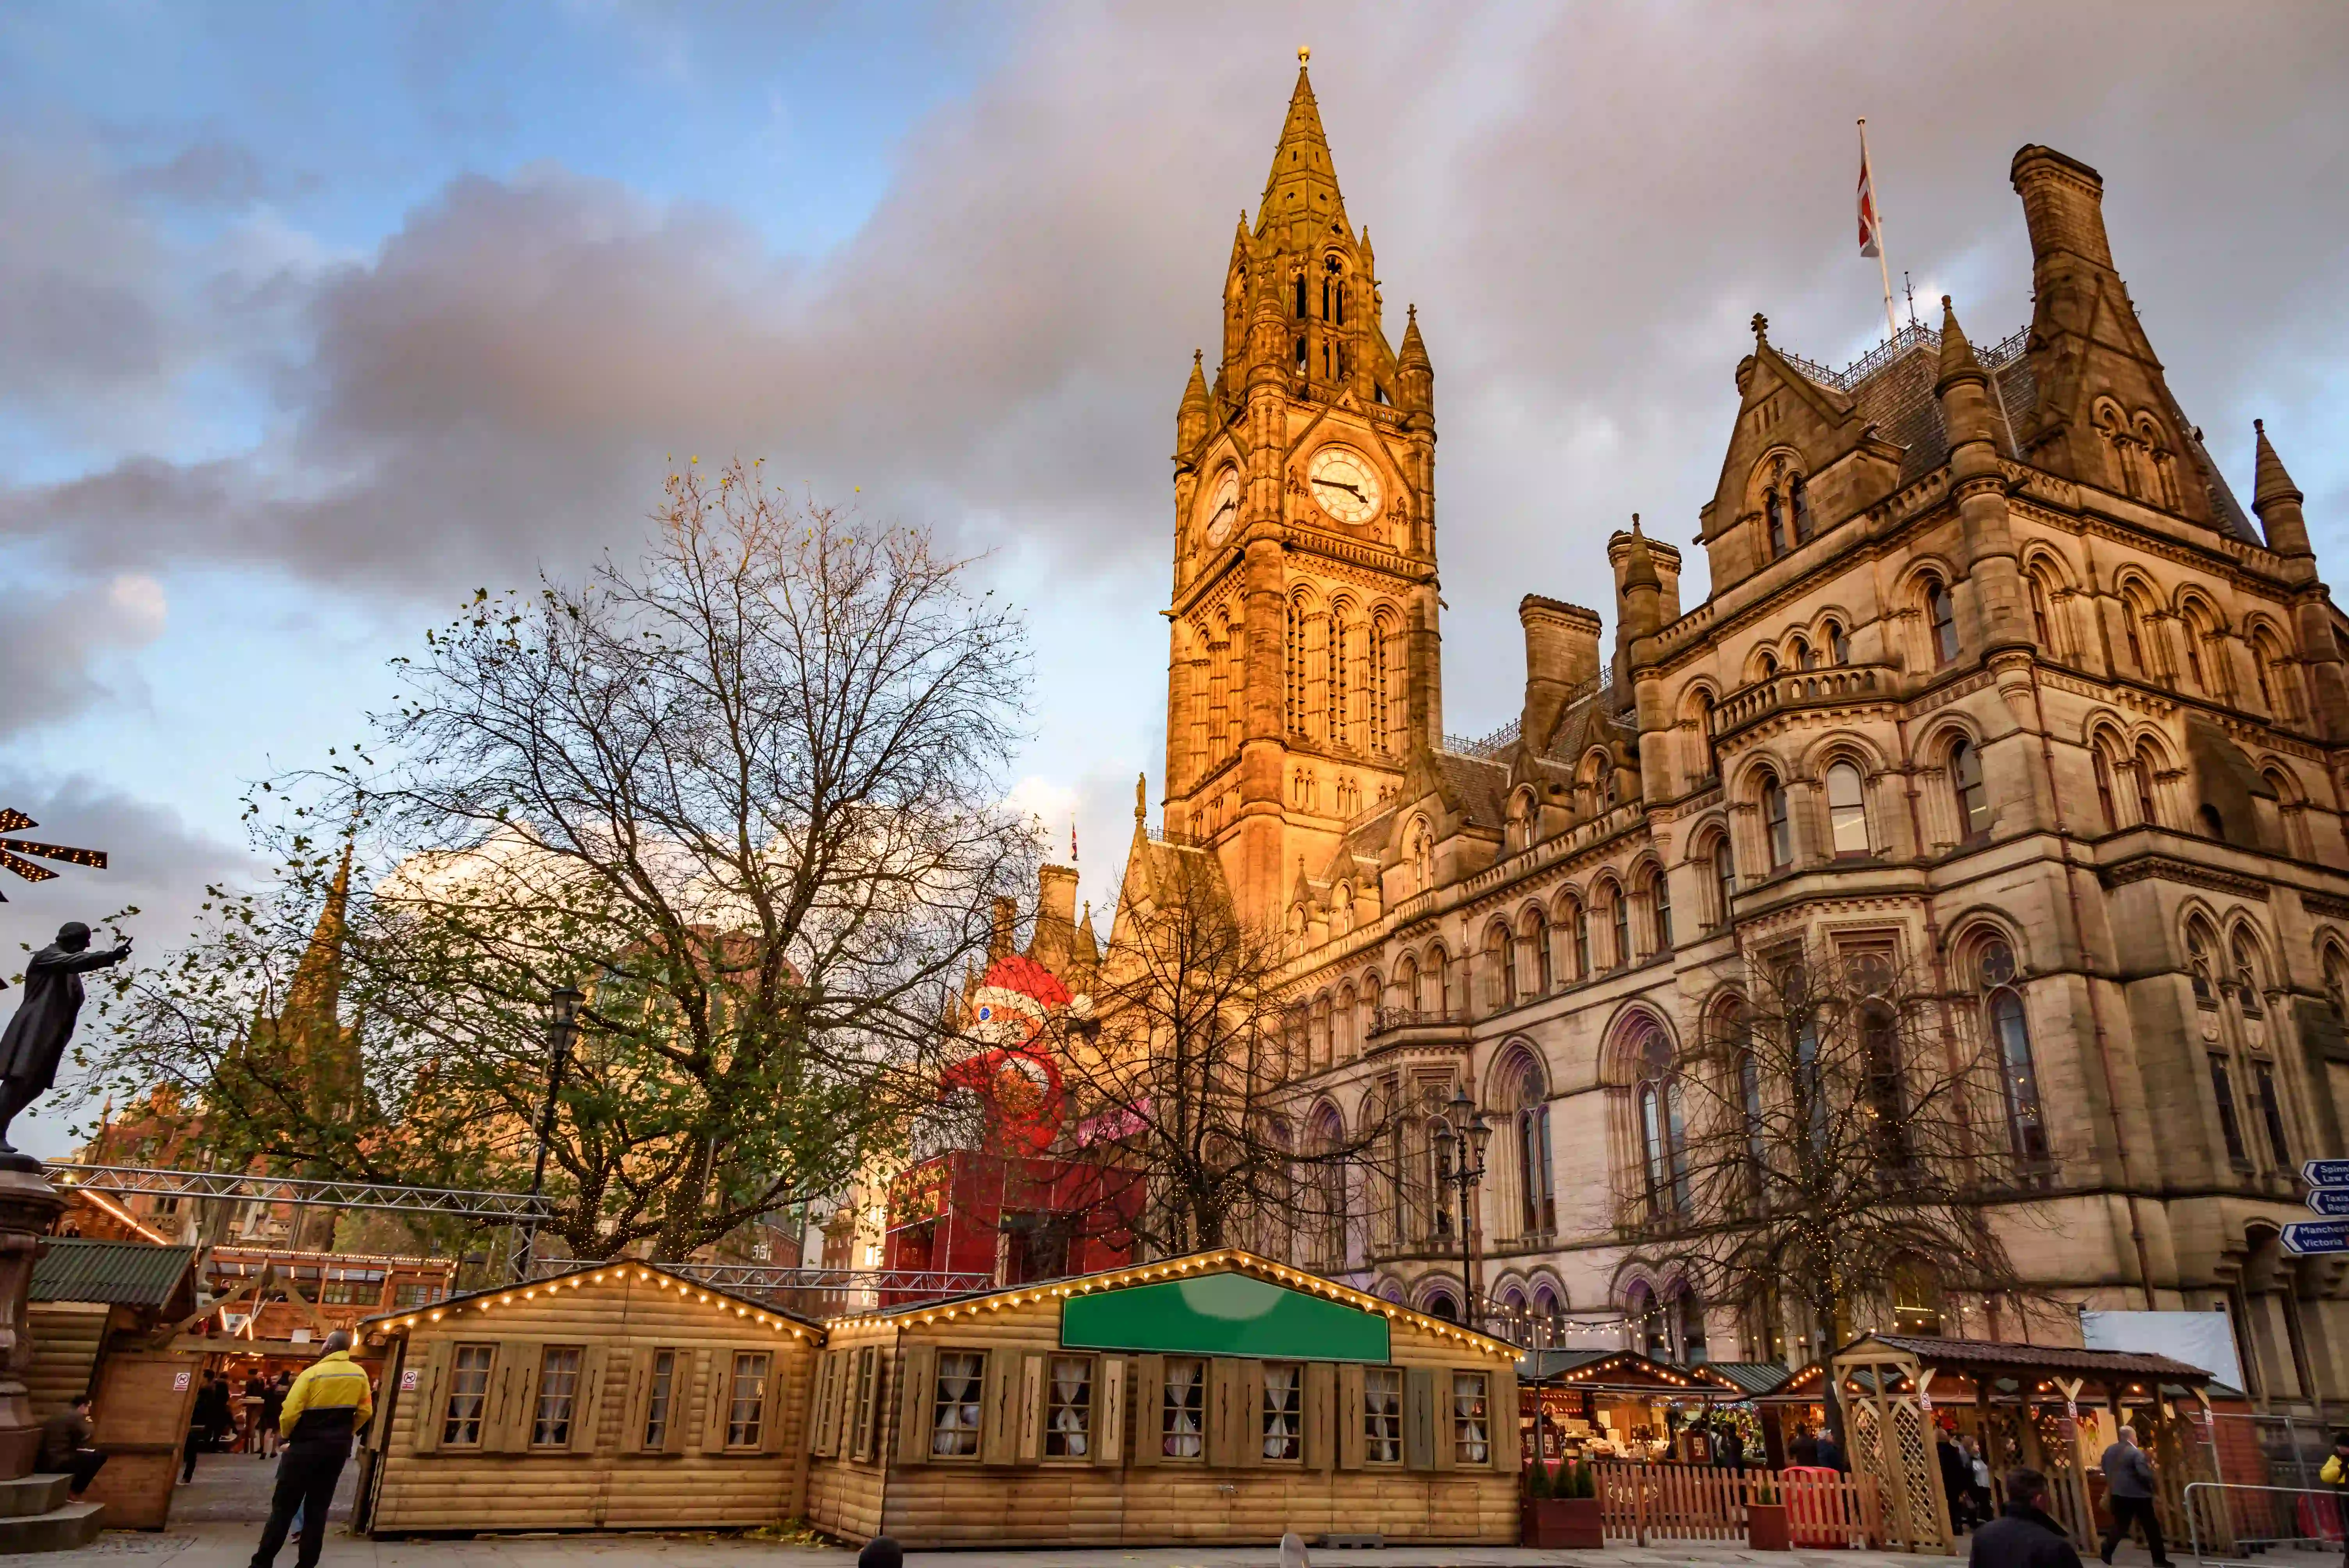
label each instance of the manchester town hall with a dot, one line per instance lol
(1996, 676)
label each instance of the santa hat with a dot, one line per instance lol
(1018, 987)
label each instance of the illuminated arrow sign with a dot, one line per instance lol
(2327, 1173)
(2309, 1237)
(2330, 1201)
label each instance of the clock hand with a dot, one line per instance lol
(1337, 484)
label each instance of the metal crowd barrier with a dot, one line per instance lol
(2312, 1518)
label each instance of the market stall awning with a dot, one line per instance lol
(1622, 1371)
(2005, 1369)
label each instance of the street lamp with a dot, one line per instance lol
(1462, 1134)
(561, 1029)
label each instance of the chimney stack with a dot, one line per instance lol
(1561, 653)
(2064, 203)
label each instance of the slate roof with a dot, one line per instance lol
(120, 1274)
(1753, 1376)
(2041, 1358)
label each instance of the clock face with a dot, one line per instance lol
(1344, 484)
(1223, 506)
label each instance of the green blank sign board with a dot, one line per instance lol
(1223, 1314)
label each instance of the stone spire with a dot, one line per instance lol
(2277, 500)
(1639, 566)
(1191, 418)
(1300, 194)
(315, 998)
(1414, 373)
(1963, 387)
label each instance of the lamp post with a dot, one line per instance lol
(561, 1029)
(1462, 1134)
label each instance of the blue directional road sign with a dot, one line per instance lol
(2307, 1237)
(2330, 1201)
(2327, 1173)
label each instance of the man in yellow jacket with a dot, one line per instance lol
(327, 1405)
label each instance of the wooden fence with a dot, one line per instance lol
(1642, 1503)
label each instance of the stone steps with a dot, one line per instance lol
(28, 1495)
(59, 1528)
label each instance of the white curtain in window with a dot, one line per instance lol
(1468, 1417)
(1280, 1412)
(1184, 1406)
(956, 1432)
(1069, 1403)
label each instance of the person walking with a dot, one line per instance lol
(1957, 1482)
(66, 1447)
(1978, 1491)
(2335, 1474)
(272, 1404)
(327, 1405)
(2128, 1496)
(205, 1423)
(1805, 1449)
(2024, 1535)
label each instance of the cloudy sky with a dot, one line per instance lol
(315, 319)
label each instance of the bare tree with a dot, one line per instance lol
(1828, 1144)
(745, 794)
(1185, 1081)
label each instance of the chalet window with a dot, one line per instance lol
(415, 1293)
(1283, 1406)
(1183, 1409)
(1469, 1420)
(861, 1414)
(558, 1396)
(661, 1400)
(1382, 1415)
(1069, 1417)
(469, 1395)
(746, 1406)
(954, 1408)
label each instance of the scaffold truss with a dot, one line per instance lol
(240, 1187)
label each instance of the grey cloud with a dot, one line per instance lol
(215, 172)
(53, 639)
(1587, 204)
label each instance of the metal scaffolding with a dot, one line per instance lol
(235, 1187)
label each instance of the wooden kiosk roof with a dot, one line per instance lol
(1985, 1364)
(1624, 1371)
(1226, 1302)
(590, 1274)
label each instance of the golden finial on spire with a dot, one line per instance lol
(1304, 53)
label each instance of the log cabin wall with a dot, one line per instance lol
(978, 1428)
(614, 1398)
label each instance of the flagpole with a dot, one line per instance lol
(1891, 327)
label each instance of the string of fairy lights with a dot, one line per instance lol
(1176, 1269)
(551, 1289)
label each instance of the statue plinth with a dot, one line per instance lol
(29, 1208)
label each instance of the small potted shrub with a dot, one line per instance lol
(1765, 1520)
(1570, 1518)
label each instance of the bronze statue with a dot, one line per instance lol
(36, 1040)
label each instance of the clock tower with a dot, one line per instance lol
(1302, 665)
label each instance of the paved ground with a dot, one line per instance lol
(221, 1543)
(233, 1489)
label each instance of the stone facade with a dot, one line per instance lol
(1995, 673)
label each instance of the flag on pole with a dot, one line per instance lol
(1072, 837)
(1871, 228)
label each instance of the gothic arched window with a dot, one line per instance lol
(1724, 878)
(1662, 1128)
(2009, 1034)
(1966, 782)
(1838, 643)
(1539, 1200)
(1848, 809)
(1773, 523)
(1777, 826)
(1620, 911)
(1799, 494)
(1942, 612)
(1659, 901)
